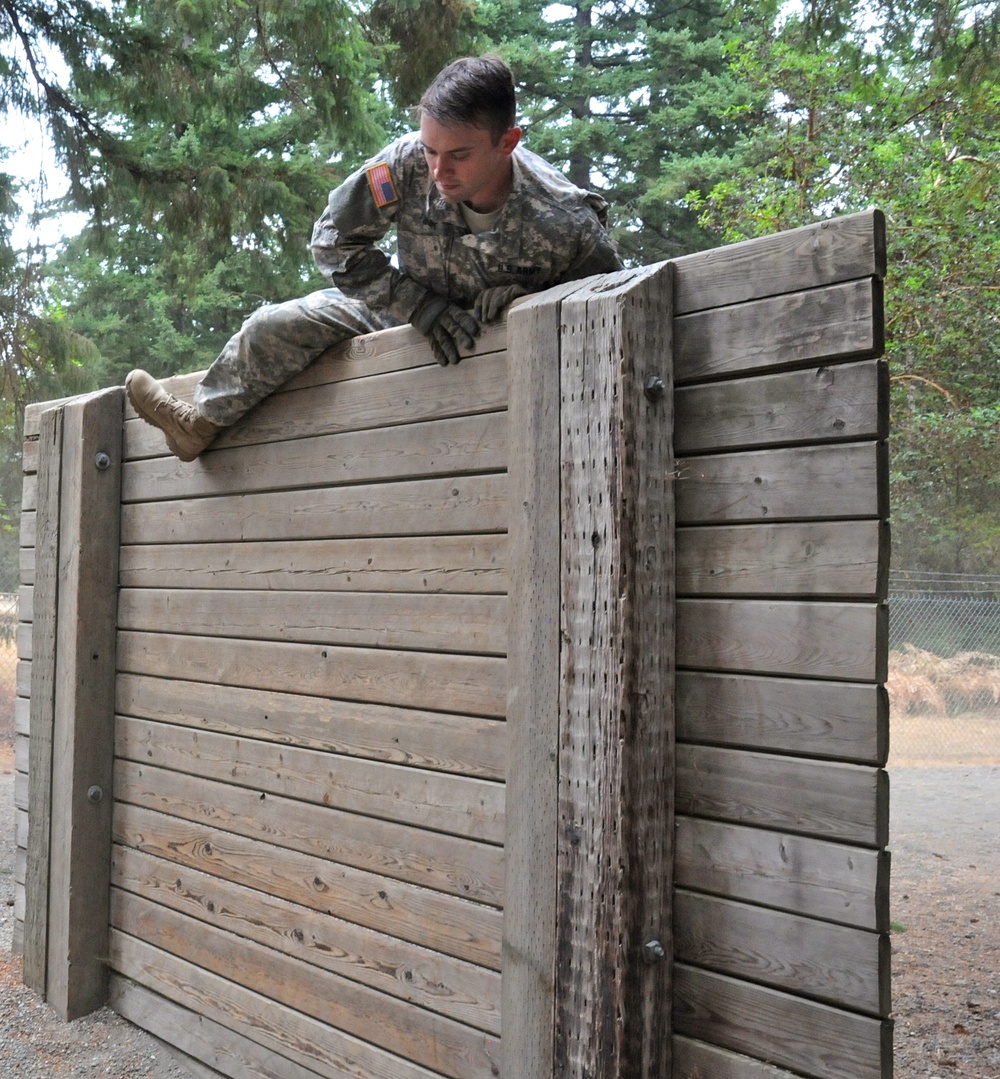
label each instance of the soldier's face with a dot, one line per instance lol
(465, 164)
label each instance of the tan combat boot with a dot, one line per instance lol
(186, 432)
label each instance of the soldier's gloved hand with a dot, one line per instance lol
(447, 327)
(492, 302)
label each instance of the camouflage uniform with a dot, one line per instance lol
(548, 231)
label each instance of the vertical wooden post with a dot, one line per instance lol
(587, 920)
(614, 933)
(529, 953)
(83, 727)
(42, 702)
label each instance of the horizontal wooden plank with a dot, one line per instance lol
(454, 564)
(22, 676)
(696, 1060)
(413, 1033)
(843, 802)
(26, 603)
(399, 397)
(442, 448)
(839, 720)
(463, 992)
(305, 1041)
(21, 790)
(840, 249)
(813, 877)
(829, 404)
(198, 1038)
(444, 863)
(23, 640)
(475, 685)
(29, 493)
(27, 565)
(845, 559)
(22, 715)
(846, 641)
(28, 528)
(815, 1040)
(415, 508)
(840, 965)
(21, 751)
(439, 623)
(469, 745)
(834, 323)
(457, 805)
(29, 455)
(805, 483)
(444, 923)
(398, 349)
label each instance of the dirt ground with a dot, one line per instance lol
(945, 841)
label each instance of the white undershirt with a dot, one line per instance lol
(479, 222)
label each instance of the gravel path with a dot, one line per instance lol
(945, 835)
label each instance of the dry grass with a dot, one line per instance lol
(922, 683)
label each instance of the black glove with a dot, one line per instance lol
(492, 302)
(447, 327)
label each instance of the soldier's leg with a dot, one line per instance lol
(275, 343)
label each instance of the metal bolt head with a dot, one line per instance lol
(102, 461)
(95, 794)
(655, 388)
(653, 951)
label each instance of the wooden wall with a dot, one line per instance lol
(781, 909)
(345, 796)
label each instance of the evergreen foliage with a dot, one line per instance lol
(200, 139)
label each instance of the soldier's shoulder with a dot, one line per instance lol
(551, 192)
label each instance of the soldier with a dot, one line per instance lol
(479, 221)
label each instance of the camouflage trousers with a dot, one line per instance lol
(276, 342)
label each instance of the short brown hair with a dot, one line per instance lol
(476, 90)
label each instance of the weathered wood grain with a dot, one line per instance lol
(474, 685)
(444, 623)
(26, 561)
(846, 641)
(26, 533)
(804, 483)
(828, 404)
(696, 1060)
(820, 559)
(833, 323)
(199, 1038)
(615, 842)
(805, 717)
(529, 945)
(26, 603)
(469, 745)
(843, 884)
(411, 508)
(426, 979)
(451, 446)
(41, 693)
(837, 964)
(29, 491)
(306, 1041)
(432, 1040)
(448, 924)
(813, 1039)
(454, 564)
(400, 397)
(457, 805)
(822, 254)
(843, 802)
(29, 455)
(444, 863)
(82, 741)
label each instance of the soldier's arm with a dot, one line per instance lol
(358, 214)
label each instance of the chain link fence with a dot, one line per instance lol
(944, 667)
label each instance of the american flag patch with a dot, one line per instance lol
(380, 181)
